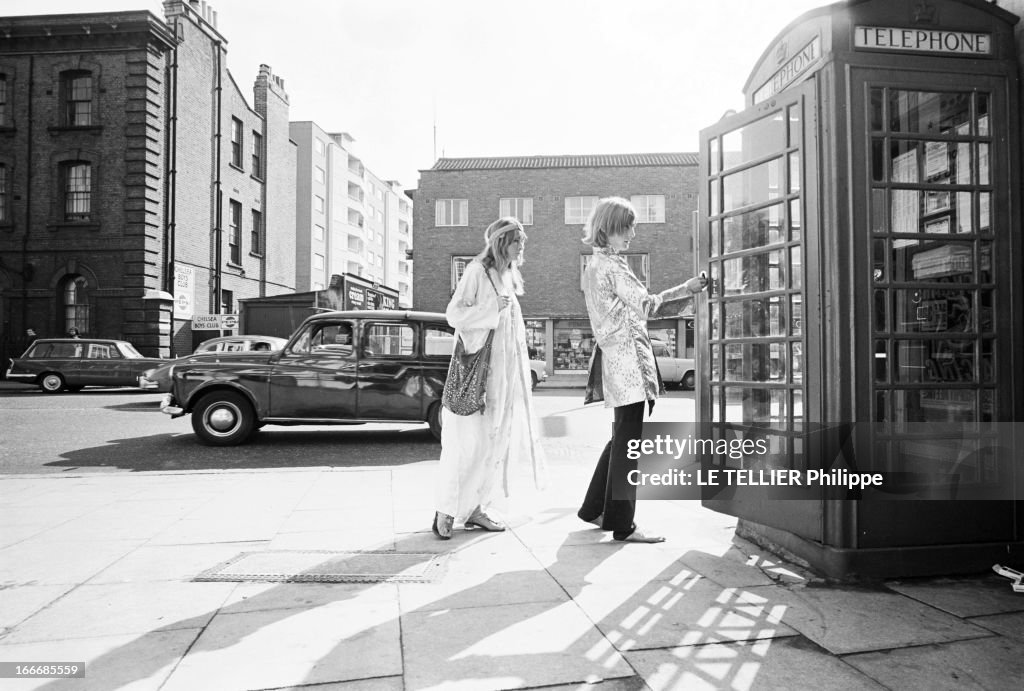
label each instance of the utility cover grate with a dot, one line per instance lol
(322, 566)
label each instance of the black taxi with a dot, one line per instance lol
(338, 368)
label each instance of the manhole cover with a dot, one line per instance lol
(319, 566)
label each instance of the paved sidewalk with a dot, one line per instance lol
(100, 569)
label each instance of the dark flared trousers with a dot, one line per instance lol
(609, 492)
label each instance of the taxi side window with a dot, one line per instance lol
(331, 338)
(438, 341)
(389, 340)
(100, 351)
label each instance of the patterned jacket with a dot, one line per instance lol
(619, 305)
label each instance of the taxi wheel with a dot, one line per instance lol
(434, 420)
(51, 382)
(689, 381)
(223, 418)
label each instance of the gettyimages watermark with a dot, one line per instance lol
(845, 461)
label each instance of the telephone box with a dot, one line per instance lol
(861, 224)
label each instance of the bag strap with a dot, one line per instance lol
(488, 272)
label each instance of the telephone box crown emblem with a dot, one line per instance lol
(924, 13)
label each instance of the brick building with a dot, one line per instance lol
(110, 182)
(348, 220)
(552, 195)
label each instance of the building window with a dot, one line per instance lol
(318, 232)
(355, 218)
(520, 208)
(318, 144)
(236, 142)
(354, 268)
(76, 86)
(319, 175)
(235, 231)
(459, 264)
(403, 206)
(403, 227)
(5, 214)
(227, 302)
(577, 209)
(318, 203)
(74, 301)
(639, 264)
(355, 244)
(4, 102)
(318, 262)
(257, 154)
(256, 233)
(650, 208)
(451, 212)
(77, 182)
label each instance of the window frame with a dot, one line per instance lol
(257, 155)
(70, 110)
(643, 208)
(517, 207)
(69, 196)
(74, 303)
(5, 101)
(444, 210)
(457, 272)
(256, 233)
(584, 209)
(5, 194)
(235, 232)
(237, 142)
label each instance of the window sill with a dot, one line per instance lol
(257, 178)
(73, 225)
(8, 130)
(236, 267)
(256, 255)
(89, 129)
(240, 169)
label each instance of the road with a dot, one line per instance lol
(120, 430)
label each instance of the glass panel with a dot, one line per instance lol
(756, 140)
(985, 254)
(878, 160)
(920, 361)
(929, 310)
(934, 405)
(983, 107)
(983, 164)
(796, 268)
(716, 208)
(716, 404)
(715, 334)
(755, 273)
(795, 222)
(985, 323)
(906, 211)
(755, 362)
(963, 163)
(796, 314)
(987, 361)
(881, 362)
(777, 362)
(880, 409)
(928, 112)
(929, 260)
(798, 407)
(988, 405)
(794, 172)
(754, 318)
(881, 313)
(876, 110)
(796, 361)
(878, 250)
(923, 161)
(984, 198)
(713, 160)
(753, 229)
(964, 217)
(733, 362)
(716, 234)
(715, 362)
(755, 405)
(715, 288)
(752, 186)
(795, 130)
(878, 224)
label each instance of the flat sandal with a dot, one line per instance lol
(442, 525)
(481, 520)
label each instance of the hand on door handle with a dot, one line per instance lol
(697, 283)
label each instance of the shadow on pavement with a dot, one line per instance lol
(340, 447)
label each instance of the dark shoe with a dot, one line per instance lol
(481, 520)
(442, 526)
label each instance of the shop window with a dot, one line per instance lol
(650, 208)
(77, 186)
(520, 208)
(451, 212)
(536, 339)
(577, 209)
(76, 94)
(74, 302)
(236, 142)
(573, 344)
(235, 231)
(459, 264)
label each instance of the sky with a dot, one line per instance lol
(417, 80)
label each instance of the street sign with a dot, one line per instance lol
(214, 322)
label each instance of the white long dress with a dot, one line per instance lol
(482, 453)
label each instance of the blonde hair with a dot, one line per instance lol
(498, 239)
(610, 216)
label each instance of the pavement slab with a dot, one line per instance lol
(1009, 625)
(769, 664)
(257, 597)
(963, 597)
(849, 620)
(985, 664)
(20, 602)
(58, 562)
(505, 647)
(339, 641)
(152, 564)
(688, 610)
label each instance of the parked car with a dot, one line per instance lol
(538, 372)
(674, 370)
(338, 368)
(158, 379)
(68, 364)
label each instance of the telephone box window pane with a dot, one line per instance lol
(756, 140)
(987, 362)
(906, 211)
(756, 273)
(751, 405)
(713, 160)
(877, 160)
(984, 199)
(777, 407)
(983, 108)
(733, 362)
(880, 408)
(795, 127)
(932, 261)
(881, 362)
(878, 274)
(964, 215)
(932, 361)
(716, 208)
(963, 163)
(928, 310)
(798, 414)
(715, 333)
(881, 313)
(876, 110)
(755, 229)
(777, 362)
(715, 285)
(796, 363)
(934, 405)
(796, 315)
(716, 234)
(983, 164)
(929, 112)
(796, 268)
(795, 222)
(716, 404)
(987, 310)
(988, 405)
(985, 254)
(752, 186)
(794, 172)
(926, 161)
(715, 358)
(754, 318)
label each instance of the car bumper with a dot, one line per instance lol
(169, 406)
(148, 384)
(21, 375)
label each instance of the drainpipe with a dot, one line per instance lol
(218, 230)
(170, 179)
(25, 270)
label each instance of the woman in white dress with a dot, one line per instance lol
(478, 451)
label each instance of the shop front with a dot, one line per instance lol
(860, 222)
